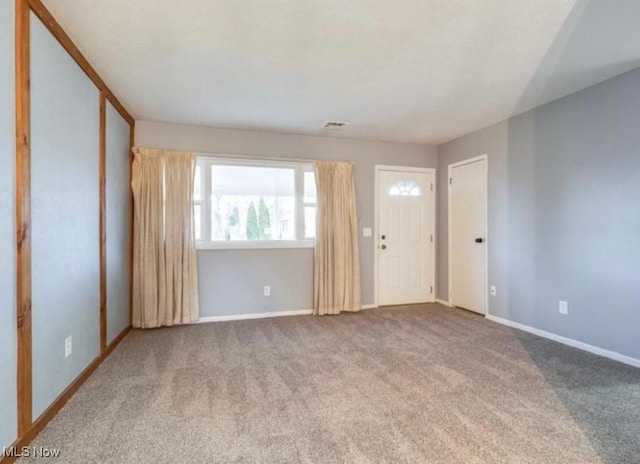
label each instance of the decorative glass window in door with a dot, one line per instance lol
(405, 188)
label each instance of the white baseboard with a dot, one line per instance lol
(568, 341)
(443, 302)
(242, 317)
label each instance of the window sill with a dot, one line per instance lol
(255, 244)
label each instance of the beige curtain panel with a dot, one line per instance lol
(165, 275)
(337, 264)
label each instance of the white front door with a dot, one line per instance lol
(405, 242)
(467, 229)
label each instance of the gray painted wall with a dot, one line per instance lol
(65, 206)
(231, 281)
(8, 394)
(118, 221)
(493, 142)
(564, 220)
(274, 267)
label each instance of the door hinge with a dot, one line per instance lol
(431, 290)
(432, 187)
(432, 239)
(450, 180)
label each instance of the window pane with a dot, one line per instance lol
(252, 203)
(310, 222)
(309, 187)
(197, 185)
(197, 219)
(405, 188)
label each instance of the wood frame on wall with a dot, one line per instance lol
(61, 36)
(23, 216)
(27, 427)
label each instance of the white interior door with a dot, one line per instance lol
(404, 241)
(467, 234)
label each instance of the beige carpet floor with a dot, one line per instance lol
(421, 384)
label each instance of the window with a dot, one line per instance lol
(253, 203)
(197, 202)
(310, 204)
(405, 188)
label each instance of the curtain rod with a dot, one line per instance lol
(247, 157)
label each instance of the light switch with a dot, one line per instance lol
(366, 232)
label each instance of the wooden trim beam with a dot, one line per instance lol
(27, 427)
(103, 219)
(56, 30)
(23, 216)
(26, 438)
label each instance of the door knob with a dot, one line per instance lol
(384, 247)
(479, 240)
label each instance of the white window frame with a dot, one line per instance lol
(200, 202)
(300, 167)
(302, 204)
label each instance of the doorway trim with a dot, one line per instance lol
(485, 159)
(376, 205)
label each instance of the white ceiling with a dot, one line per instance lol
(421, 71)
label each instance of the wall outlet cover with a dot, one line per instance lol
(68, 346)
(494, 291)
(366, 232)
(267, 290)
(563, 307)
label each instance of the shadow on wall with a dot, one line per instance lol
(598, 41)
(572, 167)
(572, 219)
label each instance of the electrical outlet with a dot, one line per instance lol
(68, 346)
(494, 292)
(267, 290)
(563, 307)
(366, 232)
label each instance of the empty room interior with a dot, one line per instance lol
(301, 231)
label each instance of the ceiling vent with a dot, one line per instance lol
(335, 124)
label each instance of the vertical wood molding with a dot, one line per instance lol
(103, 219)
(27, 427)
(132, 135)
(23, 217)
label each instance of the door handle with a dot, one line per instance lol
(384, 247)
(479, 240)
